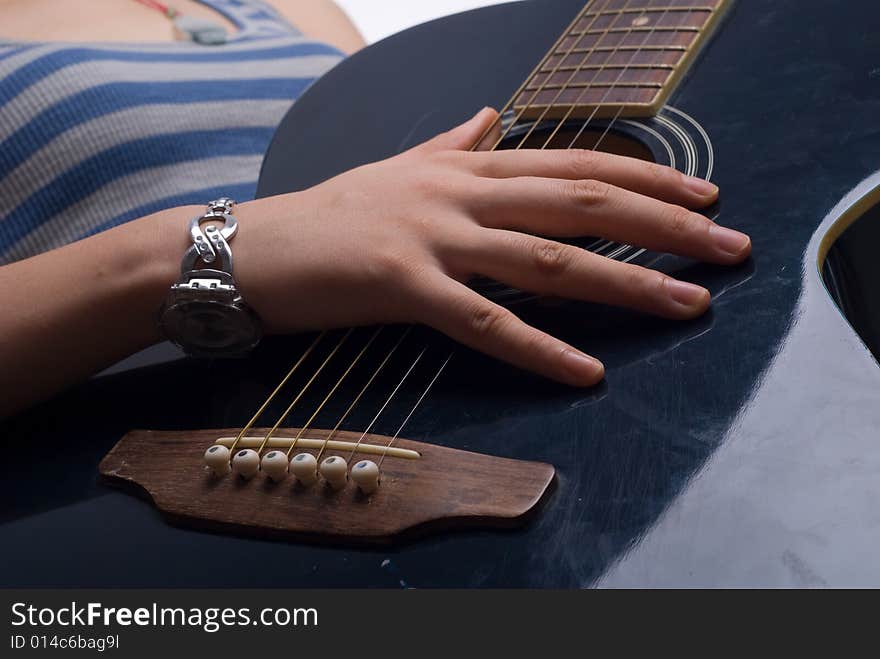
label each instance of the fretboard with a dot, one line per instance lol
(619, 58)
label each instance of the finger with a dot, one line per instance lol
(633, 174)
(554, 207)
(550, 268)
(463, 136)
(471, 319)
(491, 136)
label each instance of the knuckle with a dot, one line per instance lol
(645, 283)
(682, 222)
(391, 266)
(589, 192)
(583, 162)
(550, 258)
(486, 320)
(664, 176)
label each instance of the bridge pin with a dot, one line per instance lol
(217, 458)
(304, 467)
(274, 465)
(366, 474)
(246, 463)
(335, 472)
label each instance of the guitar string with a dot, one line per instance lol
(512, 100)
(413, 410)
(449, 357)
(421, 354)
(550, 53)
(305, 388)
(336, 386)
(274, 393)
(588, 86)
(606, 243)
(543, 85)
(361, 393)
(389, 399)
(517, 147)
(619, 77)
(578, 69)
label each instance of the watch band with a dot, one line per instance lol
(204, 313)
(212, 244)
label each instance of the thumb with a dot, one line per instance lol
(463, 136)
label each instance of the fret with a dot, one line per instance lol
(561, 100)
(612, 49)
(649, 10)
(599, 75)
(614, 39)
(610, 84)
(610, 67)
(637, 30)
(624, 6)
(619, 59)
(641, 21)
(613, 57)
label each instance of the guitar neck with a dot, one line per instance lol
(619, 58)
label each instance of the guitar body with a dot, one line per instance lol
(740, 449)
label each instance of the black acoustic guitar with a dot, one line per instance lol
(738, 449)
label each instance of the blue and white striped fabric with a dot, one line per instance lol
(94, 135)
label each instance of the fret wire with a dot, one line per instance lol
(590, 85)
(612, 49)
(591, 67)
(511, 103)
(535, 95)
(572, 107)
(617, 30)
(650, 10)
(619, 110)
(597, 106)
(513, 100)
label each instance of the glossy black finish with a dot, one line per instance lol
(739, 449)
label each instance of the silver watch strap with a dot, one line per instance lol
(212, 244)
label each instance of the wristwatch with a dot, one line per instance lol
(204, 314)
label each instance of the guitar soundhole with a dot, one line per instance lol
(573, 138)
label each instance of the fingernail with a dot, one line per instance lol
(701, 186)
(729, 241)
(584, 368)
(690, 295)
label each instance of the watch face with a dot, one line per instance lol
(211, 328)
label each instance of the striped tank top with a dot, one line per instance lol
(95, 135)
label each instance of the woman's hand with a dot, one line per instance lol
(396, 240)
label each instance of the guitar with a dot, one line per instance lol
(739, 449)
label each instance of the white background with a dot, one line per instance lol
(376, 19)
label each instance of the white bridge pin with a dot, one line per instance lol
(304, 467)
(366, 474)
(246, 463)
(274, 465)
(217, 458)
(335, 471)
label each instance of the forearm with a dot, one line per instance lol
(71, 312)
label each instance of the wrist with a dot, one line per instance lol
(150, 264)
